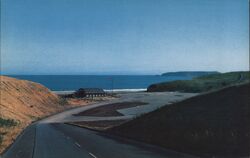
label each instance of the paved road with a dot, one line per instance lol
(66, 141)
(51, 138)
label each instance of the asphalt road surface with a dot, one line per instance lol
(51, 138)
(67, 141)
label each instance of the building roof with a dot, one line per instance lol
(91, 90)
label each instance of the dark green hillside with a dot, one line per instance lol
(213, 124)
(203, 83)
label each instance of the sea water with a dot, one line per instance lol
(106, 82)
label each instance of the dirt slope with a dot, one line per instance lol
(23, 102)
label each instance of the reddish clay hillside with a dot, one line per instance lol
(25, 101)
(21, 103)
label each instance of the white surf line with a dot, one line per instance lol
(77, 144)
(92, 155)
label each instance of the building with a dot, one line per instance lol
(89, 92)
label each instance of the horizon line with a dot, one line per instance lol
(114, 74)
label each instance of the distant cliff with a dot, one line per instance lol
(189, 73)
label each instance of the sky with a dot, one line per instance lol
(123, 36)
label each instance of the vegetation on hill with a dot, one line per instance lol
(212, 124)
(6, 123)
(202, 83)
(190, 73)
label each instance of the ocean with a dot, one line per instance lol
(106, 82)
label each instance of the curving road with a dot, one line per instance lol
(51, 138)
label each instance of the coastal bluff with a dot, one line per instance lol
(22, 102)
(25, 100)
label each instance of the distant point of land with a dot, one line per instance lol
(189, 73)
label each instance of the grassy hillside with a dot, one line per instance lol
(213, 124)
(203, 83)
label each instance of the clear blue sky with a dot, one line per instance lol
(123, 36)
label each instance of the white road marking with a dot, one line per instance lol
(77, 144)
(92, 155)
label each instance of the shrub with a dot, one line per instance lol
(7, 122)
